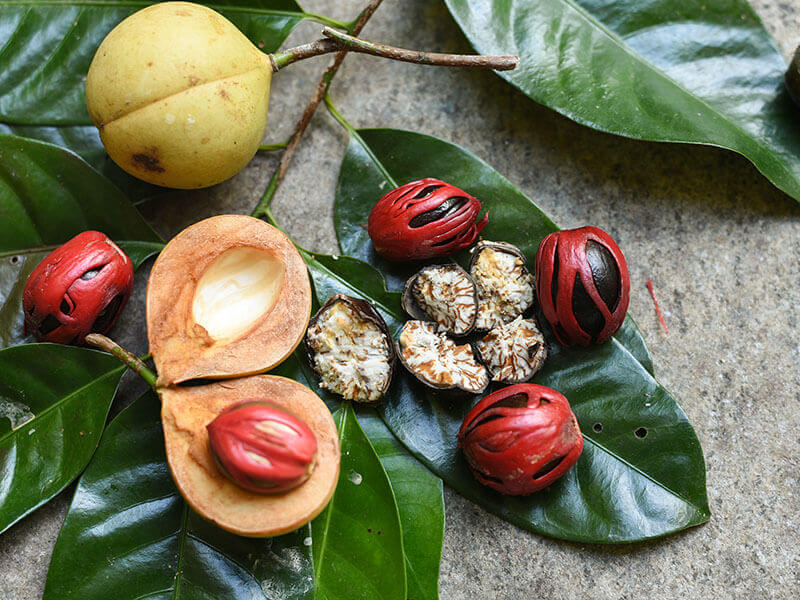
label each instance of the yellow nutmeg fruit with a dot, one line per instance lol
(179, 95)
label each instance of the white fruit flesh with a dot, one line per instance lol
(236, 291)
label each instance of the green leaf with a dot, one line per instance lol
(53, 405)
(418, 491)
(420, 501)
(129, 534)
(358, 544)
(624, 488)
(47, 196)
(697, 71)
(49, 45)
(84, 140)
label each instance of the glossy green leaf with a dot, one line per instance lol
(46, 48)
(697, 71)
(418, 491)
(624, 488)
(420, 501)
(84, 141)
(358, 544)
(53, 406)
(47, 196)
(129, 534)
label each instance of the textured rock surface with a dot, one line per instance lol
(721, 245)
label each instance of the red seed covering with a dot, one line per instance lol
(520, 439)
(583, 285)
(79, 288)
(424, 219)
(261, 447)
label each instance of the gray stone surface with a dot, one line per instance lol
(721, 245)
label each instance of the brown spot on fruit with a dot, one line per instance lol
(183, 13)
(150, 63)
(148, 161)
(223, 94)
(205, 140)
(193, 81)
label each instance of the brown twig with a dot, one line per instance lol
(498, 63)
(337, 40)
(262, 209)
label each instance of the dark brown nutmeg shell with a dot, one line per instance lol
(504, 284)
(438, 362)
(350, 349)
(444, 294)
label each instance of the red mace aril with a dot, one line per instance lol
(262, 448)
(79, 288)
(583, 285)
(520, 439)
(424, 219)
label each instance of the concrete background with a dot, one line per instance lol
(721, 245)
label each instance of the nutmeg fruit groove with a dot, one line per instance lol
(179, 95)
(228, 296)
(185, 415)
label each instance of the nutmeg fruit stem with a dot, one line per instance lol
(337, 40)
(262, 209)
(129, 360)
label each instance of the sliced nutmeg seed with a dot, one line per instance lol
(445, 294)
(513, 352)
(350, 348)
(504, 284)
(437, 361)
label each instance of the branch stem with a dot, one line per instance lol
(262, 209)
(129, 360)
(498, 63)
(337, 41)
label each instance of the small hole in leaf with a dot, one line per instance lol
(598, 427)
(49, 325)
(640, 433)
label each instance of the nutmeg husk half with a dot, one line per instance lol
(185, 413)
(228, 296)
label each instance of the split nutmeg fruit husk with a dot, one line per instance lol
(229, 297)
